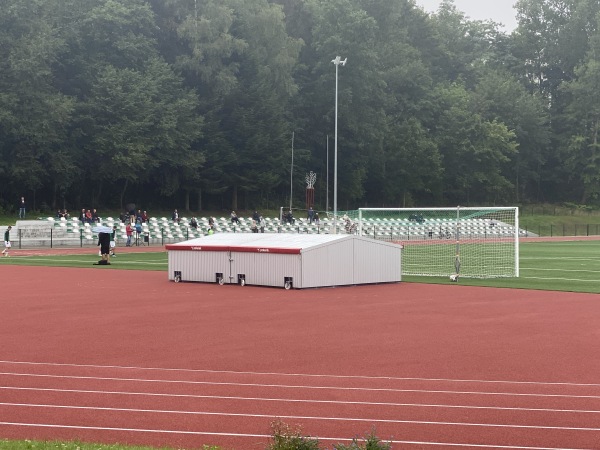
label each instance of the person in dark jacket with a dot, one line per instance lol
(7, 244)
(104, 243)
(22, 208)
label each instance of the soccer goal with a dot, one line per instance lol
(465, 241)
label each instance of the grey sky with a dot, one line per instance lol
(498, 10)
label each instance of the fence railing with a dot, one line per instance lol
(563, 229)
(557, 211)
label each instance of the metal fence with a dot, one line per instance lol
(564, 230)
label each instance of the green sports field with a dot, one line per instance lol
(128, 261)
(559, 266)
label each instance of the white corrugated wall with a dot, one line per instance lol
(198, 266)
(267, 269)
(376, 262)
(328, 265)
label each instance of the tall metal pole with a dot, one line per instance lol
(292, 173)
(327, 200)
(337, 61)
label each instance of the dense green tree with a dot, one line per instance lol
(194, 102)
(499, 96)
(582, 155)
(474, 150)
(240, 59)
(34, 114)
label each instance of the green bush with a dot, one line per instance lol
(287, 437)
(370, 442)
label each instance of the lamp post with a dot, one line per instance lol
(292, 173)
(337, 61)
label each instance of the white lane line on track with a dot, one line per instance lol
(208, 433)
(233, 372)
(288, 400)
(292, 386)
(324, 418)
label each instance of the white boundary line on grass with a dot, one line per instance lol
(562, 279)
(85, 261)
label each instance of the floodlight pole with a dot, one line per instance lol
(337, 61)
(292, 174)
(327, 196)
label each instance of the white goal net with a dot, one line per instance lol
(471, 242)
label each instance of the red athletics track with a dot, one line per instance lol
(116, 356)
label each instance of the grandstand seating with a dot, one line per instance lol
(161, 230)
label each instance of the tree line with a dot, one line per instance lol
(193, 103)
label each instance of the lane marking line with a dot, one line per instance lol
(287, 400)
(365, 377)
(333, 419)
(286, 386)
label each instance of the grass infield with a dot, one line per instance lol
(558, 266)
(128, 261)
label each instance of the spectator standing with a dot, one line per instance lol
(138, 232)
(254, 226)
(129, 233)
(262, 224)
(113, 241)
(95, 217)
(144, 217)
(234, 218)
(317, 220)
(175, 216)
(211, 221)
(7, 243)
(311, 215)
(22, 208)
(256, 216)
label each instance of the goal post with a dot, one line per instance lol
(472, 242)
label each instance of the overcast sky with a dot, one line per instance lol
(498, 10)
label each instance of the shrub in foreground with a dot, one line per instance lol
(370, 442)
(287, 437)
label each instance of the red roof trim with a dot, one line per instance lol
(231, 248)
